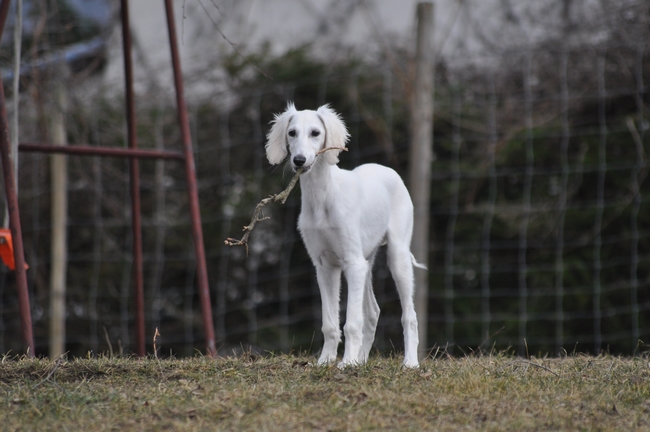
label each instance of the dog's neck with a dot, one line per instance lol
(316, 184)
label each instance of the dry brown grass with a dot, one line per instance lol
(495, 392)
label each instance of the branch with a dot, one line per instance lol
(57, 363)
(282, 197)
(232, 44)
(528, 362)
(323, 150)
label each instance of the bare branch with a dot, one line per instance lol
(321, 151)
(57, 363)
(528, 362)
(282, 197)
(232, 44)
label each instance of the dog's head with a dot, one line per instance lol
(304, 134)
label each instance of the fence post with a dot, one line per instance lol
(59, 211)
(421, 156)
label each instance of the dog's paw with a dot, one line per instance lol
(349, 363)
(411, 364)
(326, 361)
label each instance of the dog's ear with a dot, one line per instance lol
(276, 140)
(336, 134)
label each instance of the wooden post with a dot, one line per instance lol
(59, 214)
(421, 157)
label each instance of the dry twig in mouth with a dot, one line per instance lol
(257, 213)
(323, 150)
(282, 197)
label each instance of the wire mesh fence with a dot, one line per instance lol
(557, 262)
(540, 230)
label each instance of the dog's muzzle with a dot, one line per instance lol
(299, 160)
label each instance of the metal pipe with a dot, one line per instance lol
(86, 150)
(14, 214)
(192, 190)
(138, 277)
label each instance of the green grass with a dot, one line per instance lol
(491, 392)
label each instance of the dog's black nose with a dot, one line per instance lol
(299, 160)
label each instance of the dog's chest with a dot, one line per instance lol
(319, 216)
(322, 232)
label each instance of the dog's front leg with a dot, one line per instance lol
(329, 284)
(355, 274)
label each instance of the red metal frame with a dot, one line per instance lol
(134, 170)
(192, 189)
(86, 150)
(133, 153)
(14, 214)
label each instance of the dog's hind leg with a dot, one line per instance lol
(370, 312)
(329, 284)
(399, 262)
(401, 267)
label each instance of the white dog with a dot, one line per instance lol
(345, 217)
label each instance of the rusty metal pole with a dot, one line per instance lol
(86, 150)
(138, 278)
(192, 190)
(14, 214)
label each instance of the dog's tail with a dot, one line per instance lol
(417, 264)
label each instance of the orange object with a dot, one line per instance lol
(7, 249)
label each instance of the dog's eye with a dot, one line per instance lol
(292, 133)
(315, 133)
